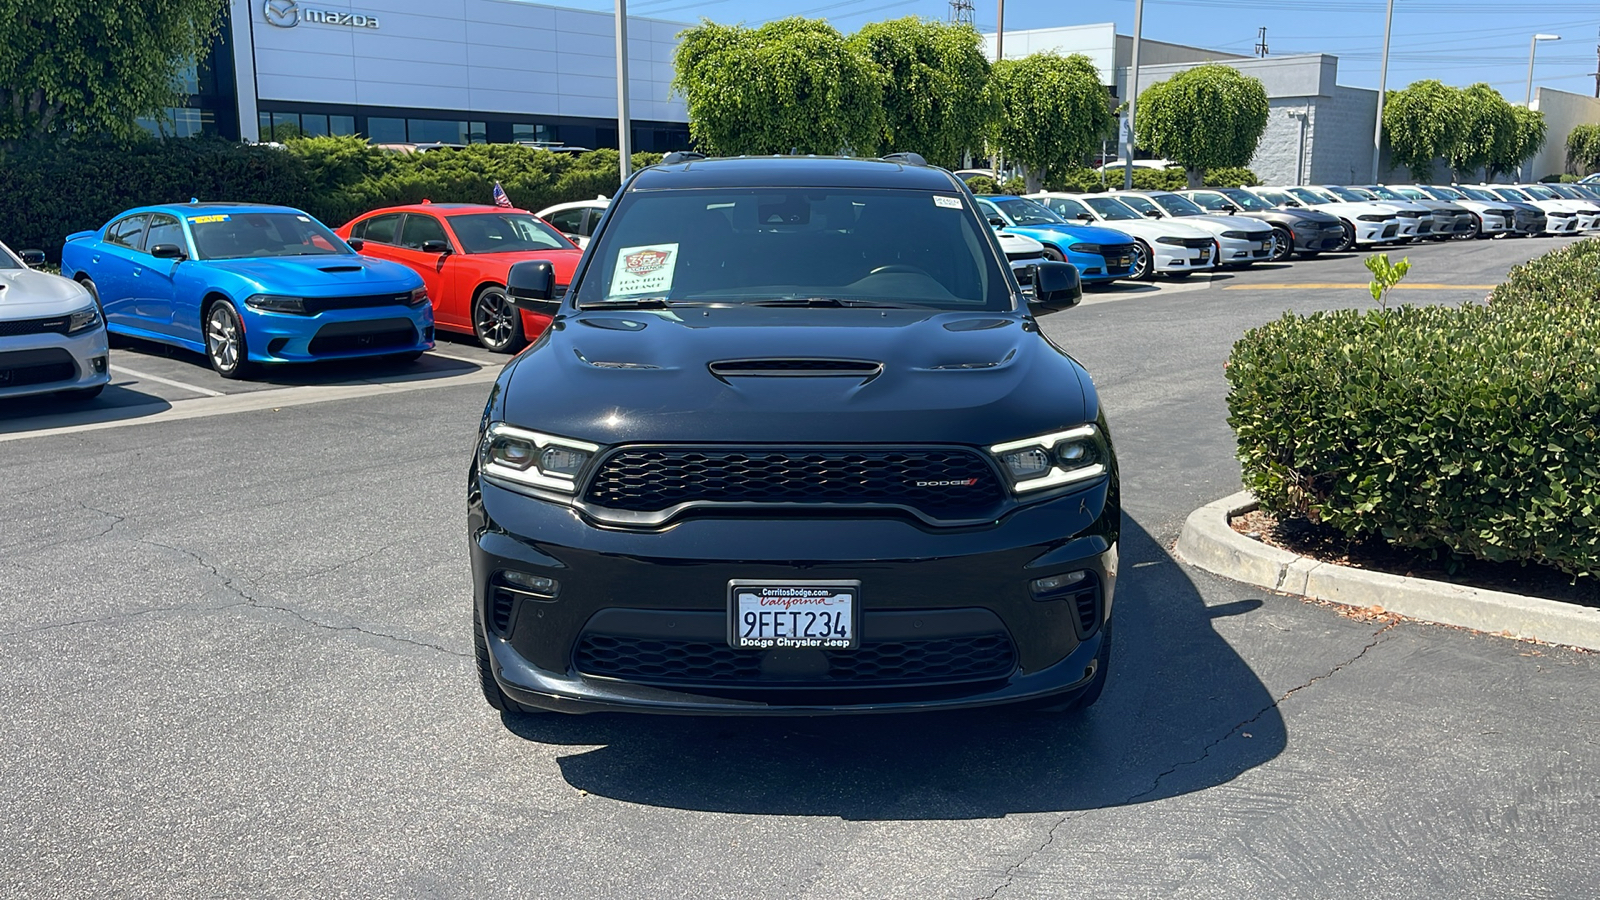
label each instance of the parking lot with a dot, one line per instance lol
(235, 659)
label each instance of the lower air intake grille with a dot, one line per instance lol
(500, 609)
(668, 662)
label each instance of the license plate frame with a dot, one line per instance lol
(794, 614)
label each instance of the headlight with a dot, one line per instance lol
(1372, 217)
(419, 296)
(83, 320)
(534, 459)
(1085, 248)
(273, 303)
(1174, 241)
(1237, 235)
(1051, 460)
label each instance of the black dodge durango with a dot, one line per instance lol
(794, 444)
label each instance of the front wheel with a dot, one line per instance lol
(1053, 254)
(1349, 242)
(1477, 230)
(1144, 263)
(492, 694)
(1283, 244)
(225, 341)
(496, 322)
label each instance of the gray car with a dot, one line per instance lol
(1304, 231)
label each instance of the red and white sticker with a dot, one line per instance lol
(946, 202)
(644, 270)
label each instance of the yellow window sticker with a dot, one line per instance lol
(202, 220)
(644, 270)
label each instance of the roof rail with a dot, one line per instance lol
(681, 156)
(905, 158)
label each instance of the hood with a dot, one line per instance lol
(1154, 229)
(1018, 243)
(1058, 233)
(319, 275)
(910, 376)
(1361, 208)
(1219, 224)
(28, 294)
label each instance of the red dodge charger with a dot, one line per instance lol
(463, 251)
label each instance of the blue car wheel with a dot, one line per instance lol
(225, 341)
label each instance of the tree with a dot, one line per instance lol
(792, 85)
(1583, 149)
(935, 80)
(1208, 116)
(1052, 113)
(1527, 139)
(86, 68)
(1488, 131)
(1421, 123)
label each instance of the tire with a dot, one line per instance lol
(1053, 254)
(1144, 263)
(496, 323)
(1285, 246)
(492, 694)
(82, 395)
(1477, 229)
(1102, 671)
(1349, 242)
(226, 348)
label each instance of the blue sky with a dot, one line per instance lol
(1456, 41)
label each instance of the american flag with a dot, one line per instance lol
(500, 198)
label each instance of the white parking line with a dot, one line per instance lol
(465, 359)
(166, 381)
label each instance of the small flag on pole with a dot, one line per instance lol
(500, 198)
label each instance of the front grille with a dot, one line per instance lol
(316, 305)
(357, 337)
(47, 325)
(1119, 258)
(24, 367)
(678, 662)
(1196, 243)
(1389, 230)
(1025, 256)
(1409, 214)
(500, 609)
(940, 483)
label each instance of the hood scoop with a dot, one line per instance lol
(796, 367)
(340, 268)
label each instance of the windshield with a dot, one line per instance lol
(809, 246)
(1477, 194)
(1345, 194)
(257, 234)
(1111, 209)
(7, 260)
(1141, 205)
(1383, 193)
(1277, 198)
(1067, 208)
(1440, 192)
(1541, 193)
(1307, 195)
(1564, 192)
(1177, 206)
(1246, 201)
(1407, 193)
(1027, 212)
(506, 233)
(1512, 194)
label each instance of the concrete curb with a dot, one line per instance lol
(1208, 542)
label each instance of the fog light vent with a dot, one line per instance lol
(533, 584)
(500, 610)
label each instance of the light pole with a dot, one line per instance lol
(1383, 84)
(1133, 96)
(1532, 46)
(624, 124)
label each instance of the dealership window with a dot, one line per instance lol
(341, 124)
(386, 131)
(180, 121)
(313, 124)
(523, 133)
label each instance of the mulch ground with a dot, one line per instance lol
(1322, 543)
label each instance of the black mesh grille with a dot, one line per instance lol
(500, 610)
(48, 325)
(316, 305)
(950, 659)
(1196, 243)
(940, 483)
(21, 375)
(1087, 604)
(375, 336)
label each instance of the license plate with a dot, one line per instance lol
(1119, 262)
(763, 614)
(1205, 253)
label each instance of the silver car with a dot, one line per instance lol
(52, 335)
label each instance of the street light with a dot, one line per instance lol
(1133, 96)
(624, 121)
(1383, 84)
(1532, 46)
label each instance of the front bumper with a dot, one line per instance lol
(337, 334)
(1243, 251)
(1314, 239)
(1177, 258)
(1380, 232)
(669, 588)
(1102, 267)
(45, 363)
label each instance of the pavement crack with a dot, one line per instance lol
(101, 620)
(1378, 637)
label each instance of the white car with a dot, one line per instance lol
(1368, 222)
(1241, 241)
(1022, 252)
(577, 219)
(1450, 220)
(1560, 217)
(1488, 219)
(1416, 213)
(52, 335)
(1165, 247)
(1588, 214)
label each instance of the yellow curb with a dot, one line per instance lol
(1332, 286)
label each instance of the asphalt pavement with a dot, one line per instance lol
(235, 660)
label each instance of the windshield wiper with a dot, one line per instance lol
(834, 303)
(636, 303)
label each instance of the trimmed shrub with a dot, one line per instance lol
(982, 184)
(1233, 176)
(1564, 277)
(1469, 431)
(1014, 185)
(1088, 181)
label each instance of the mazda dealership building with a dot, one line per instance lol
(415, 71)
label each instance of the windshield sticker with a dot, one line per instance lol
(202, 220)
(644, 270)
(947, 202)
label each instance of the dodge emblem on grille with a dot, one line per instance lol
(963, 482)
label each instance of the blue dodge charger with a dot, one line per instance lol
(1101, 254)
(248, 284)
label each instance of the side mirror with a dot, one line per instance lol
(1084, 217)
(168, 251)
(997, 221)
(356, 244)
(1056, 285)
(1152, 214)
(435, 246)
(1231, 210)
(531, 286)
(33, 259)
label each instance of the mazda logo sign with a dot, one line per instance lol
(282, 13)
(288, 14)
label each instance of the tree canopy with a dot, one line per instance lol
(95, 68)
(1583, 149)
(1488, 130)
(1527, 139)
(1473, 128)
(1202, 118)
(1421, 123)
(792, 85)
(935, 80)
(1053, 112)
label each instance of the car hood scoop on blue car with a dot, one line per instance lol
(787, 375)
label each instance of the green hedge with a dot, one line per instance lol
(1235, 176)
(53, 191)
(1088, 181)
(1465, 430)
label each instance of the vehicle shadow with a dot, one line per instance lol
(343, 371)
(1119, 287)
(1181, 713)
(116, 403)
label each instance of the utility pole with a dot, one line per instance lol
(1133, 96)
(1383, 84)
(624, 123)
(1261, 42)
(961, 12)
(1000, 32)
(1597, 70)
